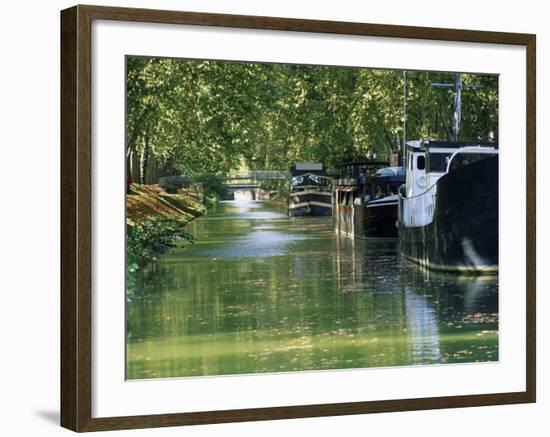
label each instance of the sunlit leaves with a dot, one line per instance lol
(206, 116)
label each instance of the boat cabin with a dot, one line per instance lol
(309, 180)
(428, 161)
(384, 182)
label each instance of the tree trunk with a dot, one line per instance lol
(132, 166)
(144, 158)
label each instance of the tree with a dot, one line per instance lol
(208, 117)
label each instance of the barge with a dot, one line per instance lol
(448, 207)
(310, 191)
(365, 199)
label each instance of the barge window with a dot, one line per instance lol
(297, 180)
(421, 162)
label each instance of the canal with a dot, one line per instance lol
(261, 292)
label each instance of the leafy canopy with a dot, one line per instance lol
(208, 117)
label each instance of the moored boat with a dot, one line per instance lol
(366, 201)
(380, 217)
(381, 208)
(448, 207)
(310, 191)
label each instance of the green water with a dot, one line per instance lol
(262, 292)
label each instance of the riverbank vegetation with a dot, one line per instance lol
(155, 221)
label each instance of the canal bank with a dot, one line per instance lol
(259, 291)
(155, 221)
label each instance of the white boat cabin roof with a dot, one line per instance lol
(437, 155)
(427, 161)
(309, 166)
(443, 146)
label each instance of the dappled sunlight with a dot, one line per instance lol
(277, 295)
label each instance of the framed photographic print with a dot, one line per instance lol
(268, 218)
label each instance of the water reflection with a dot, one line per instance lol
(422, 328)
(262, 292)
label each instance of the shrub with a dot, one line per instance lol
(147, 239)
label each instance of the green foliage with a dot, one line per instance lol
(208, 117)
(278, 189)
(148, 239)
(212, 187)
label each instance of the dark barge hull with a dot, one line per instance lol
(463, 235)
(311, 210)
(380, 219)
(309, 204)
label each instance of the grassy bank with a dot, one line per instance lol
(155, 221)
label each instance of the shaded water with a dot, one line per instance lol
(262, 292)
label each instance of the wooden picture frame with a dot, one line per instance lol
(76, 217)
